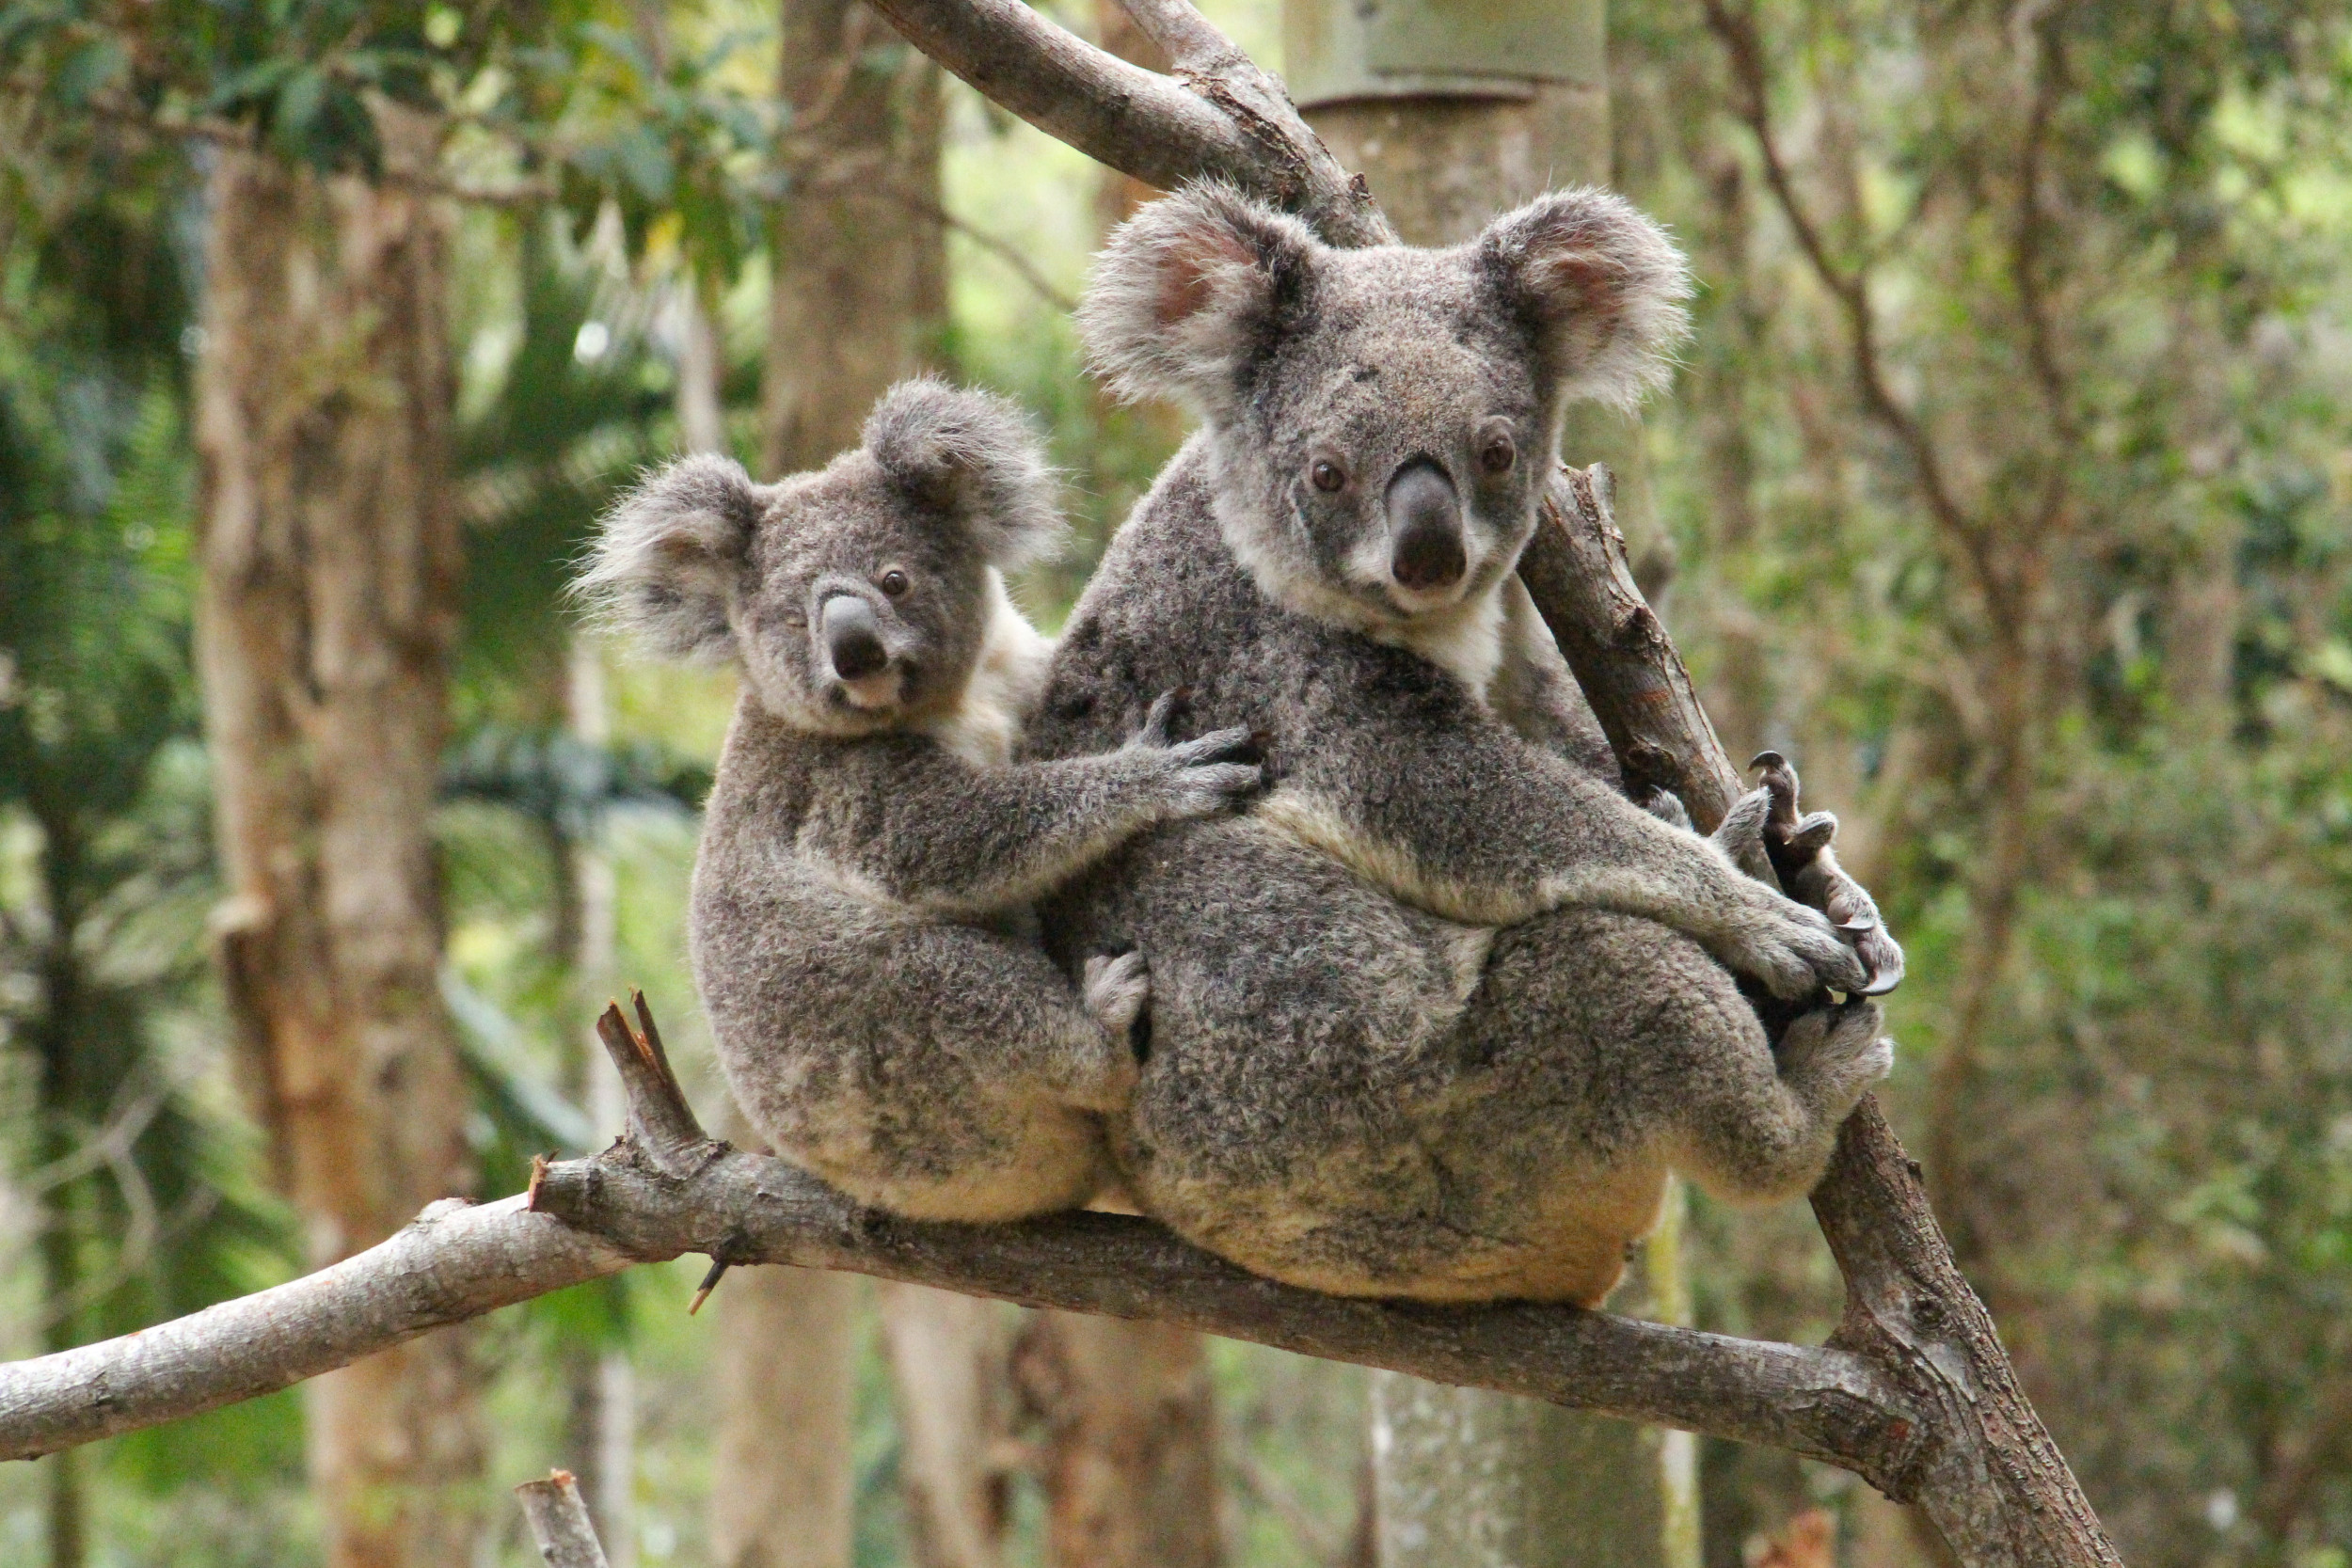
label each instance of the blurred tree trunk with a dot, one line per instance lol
(1129, 1453)
(856, 289)
(1467, 1477)
(948, 1360)
(600, 1383)
(326, 606)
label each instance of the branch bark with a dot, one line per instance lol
(666, 1189)
(559, 1522)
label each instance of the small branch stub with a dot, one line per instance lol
(560, 1523)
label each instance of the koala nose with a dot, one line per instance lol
(1425, 525)
(852, 638)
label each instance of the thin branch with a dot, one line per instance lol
(1744, 49)
(559, 1522)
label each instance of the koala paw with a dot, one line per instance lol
(1116, 990)
(1835, 1054)
(1792, 949)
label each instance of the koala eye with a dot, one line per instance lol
(1327, 476)
(1496, 454)
(894, 582)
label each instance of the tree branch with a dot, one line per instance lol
(560, 1523)
(666, 1189)
(1225, 119)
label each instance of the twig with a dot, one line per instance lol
(560, 1523)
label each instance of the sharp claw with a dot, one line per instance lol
(1767, 759)
(1881, 984)
(1859, 924)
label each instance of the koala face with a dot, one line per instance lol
(854, 598)
(1383, 421)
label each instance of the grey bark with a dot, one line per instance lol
(666, 1189)
(1464, 1475)
(560, 1524)
(947, 1356)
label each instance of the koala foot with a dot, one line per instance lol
(1117, 989)
(1833, 1054)
(1791, 949)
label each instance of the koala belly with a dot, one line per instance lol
(1354, 1097)
(912, 1063)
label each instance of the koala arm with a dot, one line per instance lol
(913, 822)
(1423, 792)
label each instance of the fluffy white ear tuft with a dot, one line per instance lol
(1602, 285)
(667, 554)
(977, 455)
(1188, 288)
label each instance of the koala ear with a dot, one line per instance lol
(975, 455)
(1188, 288)
(1600, 285)
(668, 550)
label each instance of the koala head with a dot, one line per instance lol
(854, 598)
(1383, 421)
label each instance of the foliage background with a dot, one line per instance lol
(2048, 594)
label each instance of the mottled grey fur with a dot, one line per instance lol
(860, 925)
(1437, 1017)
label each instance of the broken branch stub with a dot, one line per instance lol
(559, 1522)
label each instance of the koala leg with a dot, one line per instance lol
(1750, 1137)
(938, 1071)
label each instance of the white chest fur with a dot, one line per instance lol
(985, 724)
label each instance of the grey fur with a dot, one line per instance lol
(1436, 1018)
(861, 928)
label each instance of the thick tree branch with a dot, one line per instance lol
(666, 1189)
(1224, 118)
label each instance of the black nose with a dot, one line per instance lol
(1425, 522)
(853, 637)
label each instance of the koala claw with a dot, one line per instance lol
(1159, 722)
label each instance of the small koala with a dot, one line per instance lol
(1438, 1016)
(861, 930)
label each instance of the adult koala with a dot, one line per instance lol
(1436, 1019)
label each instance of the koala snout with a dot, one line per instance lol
(1426, 552)
(853, 639)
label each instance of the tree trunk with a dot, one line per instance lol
(1129, 1458)
(328, 566)
(947, 1366)
(858, 276)
(1465, 1476)
(600, 1382)
(855, 289)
